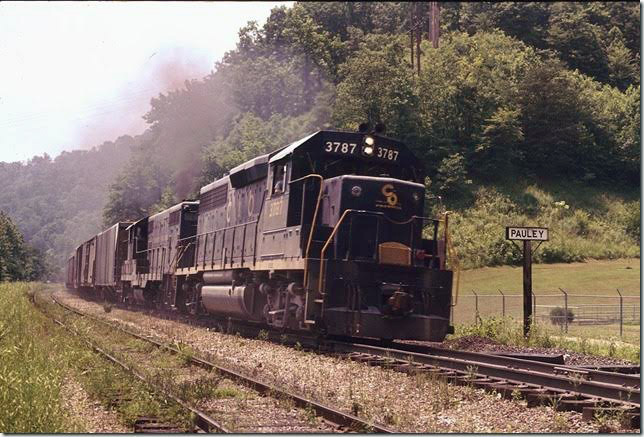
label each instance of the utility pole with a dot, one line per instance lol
(416, 20)
(434, 24)
(411, 33)
(419, 34)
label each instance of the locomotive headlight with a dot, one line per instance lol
(356, 191)
(367, 146)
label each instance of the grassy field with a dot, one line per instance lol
(592, 294)
(592, 277)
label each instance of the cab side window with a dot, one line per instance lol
(279, 179)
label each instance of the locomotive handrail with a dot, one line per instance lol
(453, 255)
(315, 216)
(221, 229)
(326, 244)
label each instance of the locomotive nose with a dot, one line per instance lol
(396, 199)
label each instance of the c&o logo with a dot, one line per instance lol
(390, 194)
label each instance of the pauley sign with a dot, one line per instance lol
(533, 234)
(527, 235)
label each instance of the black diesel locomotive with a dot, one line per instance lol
(324, 235)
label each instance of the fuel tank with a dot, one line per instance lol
(241, 301)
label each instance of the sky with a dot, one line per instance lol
(76, 74)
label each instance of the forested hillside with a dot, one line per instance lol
(522, 105)
(527, 112)
(57, 203)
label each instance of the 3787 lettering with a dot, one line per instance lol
(350, 148)
(338, 147)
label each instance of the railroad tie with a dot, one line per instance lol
(151, 425)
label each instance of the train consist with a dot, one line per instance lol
(323, 235)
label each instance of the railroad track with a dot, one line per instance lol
(575, 388)
(340, 420)
(202, 421)
(615, 385)
(568, 388)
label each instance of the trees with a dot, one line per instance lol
(375, 89)
(499, 97)
(18, 261)
(135, 191)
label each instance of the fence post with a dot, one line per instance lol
(621, 313)
(565, 309)
(502, 304)
(476, 307)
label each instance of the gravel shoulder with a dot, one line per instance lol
(406, 403)
(90, 415)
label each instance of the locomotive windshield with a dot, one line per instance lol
(348, 166)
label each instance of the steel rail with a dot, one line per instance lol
(330, 414)
(579, 385)
(518, 376)
(203, 421)
(589, 374)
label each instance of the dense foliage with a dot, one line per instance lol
(537, 92)
(18, 261)
(57, 203)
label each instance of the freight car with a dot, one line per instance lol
(326, 234)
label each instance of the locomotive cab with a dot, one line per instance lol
(358, 202)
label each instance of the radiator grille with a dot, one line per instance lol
(214, 198)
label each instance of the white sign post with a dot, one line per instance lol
(527, 235)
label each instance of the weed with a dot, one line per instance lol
(560, 423)
(607, 422)
(227, 392)
(389, 417)
(516, 395)
(311, 415)
(511, 332)
(262, 335)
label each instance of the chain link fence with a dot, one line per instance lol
(609, 313)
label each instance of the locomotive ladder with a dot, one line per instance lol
(170, 292)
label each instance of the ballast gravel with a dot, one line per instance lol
(405, 403)
(88, 414)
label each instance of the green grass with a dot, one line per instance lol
(510, 331)
(586, 284)
(591, 277)
(584, 222)
(35, 357)
(30, 380)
